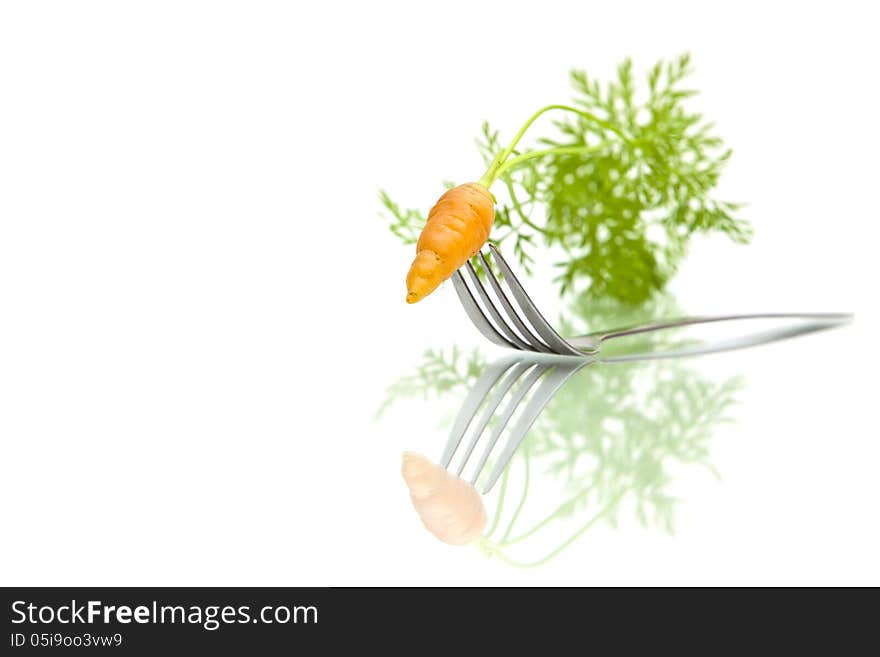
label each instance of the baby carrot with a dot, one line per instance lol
(458, 225)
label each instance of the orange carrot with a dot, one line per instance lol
(458, 225)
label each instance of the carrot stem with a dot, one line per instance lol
(559, 150)
(497, 166)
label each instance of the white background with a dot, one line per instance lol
(200, 310)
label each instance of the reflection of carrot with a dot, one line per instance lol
(458, 225)
(449, 507)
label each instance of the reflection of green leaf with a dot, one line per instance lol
(439, 372)
(613, 433)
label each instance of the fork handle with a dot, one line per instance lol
(825, 318)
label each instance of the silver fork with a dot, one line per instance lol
(505, 386)
(523, 327)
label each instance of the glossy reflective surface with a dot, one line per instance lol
(580, 447)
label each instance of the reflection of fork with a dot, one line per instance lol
(517, 376)
(513, 378)
(527, 330)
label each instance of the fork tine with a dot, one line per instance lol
(488, 305)
(471, 405)
(473, 311)
(545, 392)
(513, 375)
(541, 326)
(528, 382)
(533, 341)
